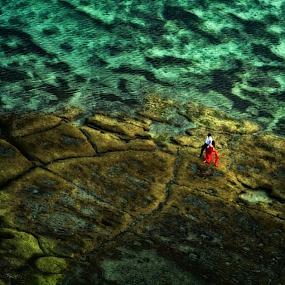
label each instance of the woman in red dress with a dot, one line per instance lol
(210, 152)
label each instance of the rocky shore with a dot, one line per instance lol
(110, 200)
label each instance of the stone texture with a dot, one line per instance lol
(104, 141)
(125, 126)
(30, 124)
(144, 266)
(126, 180)
(49, 205)
(38, 279)
(58, 143)
(17, 247)
(12, 162)
(51, 264)
(229, 240)
(214, 119)
(119, 200)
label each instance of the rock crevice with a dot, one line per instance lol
(108, 193)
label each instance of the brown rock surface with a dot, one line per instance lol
(126, 126)
(12, 162)
(106, 202)
(236, 241)
(44, 203)
(126, 180)
(29, 124)
(60, 142)
(105, 141)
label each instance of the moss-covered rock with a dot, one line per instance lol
(17, 247)
(54, 245)
(212, 234)
(51, 279)
(145, 265)
(51, 264)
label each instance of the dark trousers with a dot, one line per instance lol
(203, 147)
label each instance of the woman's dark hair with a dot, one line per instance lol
(213, 143)
(209, 135)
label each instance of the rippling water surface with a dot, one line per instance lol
(110, 54)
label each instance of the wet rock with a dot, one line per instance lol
(185, 141)
(70, 113)
(216, 120)
(255, 197)
(51, 245)
(260, 171)
(168, 147)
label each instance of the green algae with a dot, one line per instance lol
(48, 245)
(22, 245)
(51, 264)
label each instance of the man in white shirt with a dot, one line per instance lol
(208, 141)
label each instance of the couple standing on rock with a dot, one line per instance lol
(209, 146)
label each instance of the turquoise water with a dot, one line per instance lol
(110, 54)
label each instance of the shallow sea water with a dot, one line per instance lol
(108, 55)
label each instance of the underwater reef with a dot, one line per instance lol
(109, 54)
(114, 199)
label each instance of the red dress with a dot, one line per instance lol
(210, 152)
